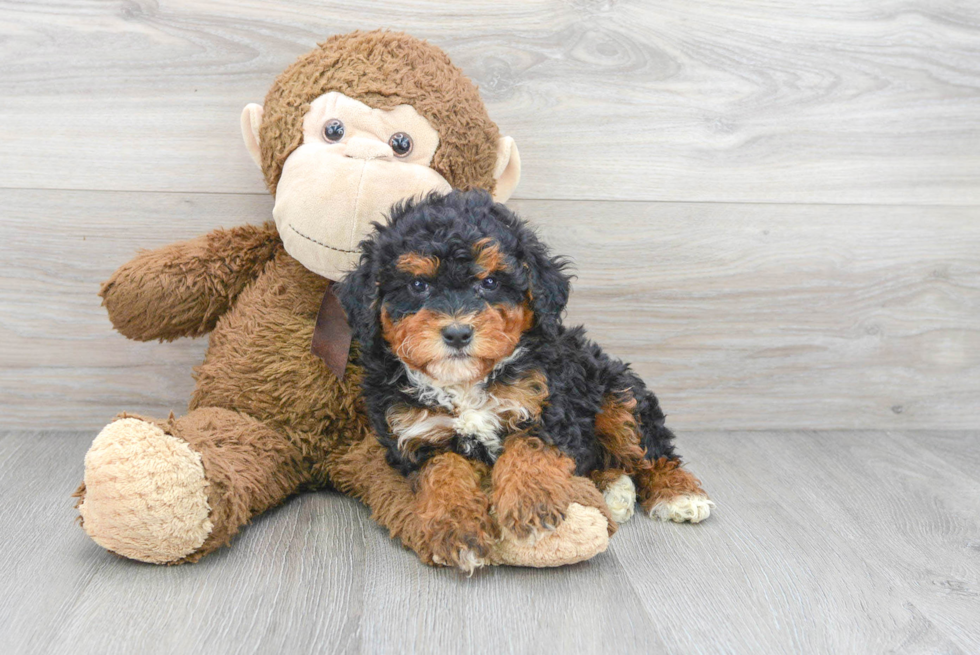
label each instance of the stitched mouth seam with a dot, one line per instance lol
(320, 243)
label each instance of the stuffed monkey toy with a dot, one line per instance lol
(359, 123)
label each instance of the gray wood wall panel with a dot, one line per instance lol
(740, 316)
(833, 101)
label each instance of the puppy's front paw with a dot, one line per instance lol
(454, 512)
(685, 508)
(461, 542)
(532, 487)
(534, 507)
(531, 519)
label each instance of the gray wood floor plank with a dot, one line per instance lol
(839, 101)
(44, 567)
(739, 316)
(779, 577)
(296, 590)
(823, 542)
(873, 499)
(586, 608)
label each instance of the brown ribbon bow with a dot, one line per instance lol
(332, 335)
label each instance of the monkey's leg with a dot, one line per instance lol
(363, 473)
(169, 492)
(671, 493)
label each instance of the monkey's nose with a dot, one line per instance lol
(457, 335)
(359, 147)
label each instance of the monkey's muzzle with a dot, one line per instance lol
(326, 203)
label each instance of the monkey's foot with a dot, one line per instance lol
(144, 495)
(582, 535)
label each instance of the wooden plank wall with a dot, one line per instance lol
(774, 208)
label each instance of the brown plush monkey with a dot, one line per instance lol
(362, 121)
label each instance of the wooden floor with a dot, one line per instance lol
(823, 542)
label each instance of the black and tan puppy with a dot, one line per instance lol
(469, 374)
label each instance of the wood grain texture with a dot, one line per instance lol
(876, 101)
(823, 542)
(739, 316)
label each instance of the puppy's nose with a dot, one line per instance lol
(457, 335)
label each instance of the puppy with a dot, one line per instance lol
(471, 378)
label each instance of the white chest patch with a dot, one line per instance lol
(476, 412)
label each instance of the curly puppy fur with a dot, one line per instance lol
(532, 481)
(457, 307)
(455, 512)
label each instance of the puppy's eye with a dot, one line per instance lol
(333, 131)
(401, 144)
(419, 285)
(489, 283)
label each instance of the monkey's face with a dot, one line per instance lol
(365, 120)
(454, 312)
(353, 164)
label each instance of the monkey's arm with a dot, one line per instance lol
(181, 290)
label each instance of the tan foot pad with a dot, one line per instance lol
(145, 493)
(582, 535)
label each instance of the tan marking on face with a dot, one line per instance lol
(498, 329)
(488, 257)
(457, 370)
(419, 265)
(416, 338)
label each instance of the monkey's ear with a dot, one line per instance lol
(507, 171)
(251, 121)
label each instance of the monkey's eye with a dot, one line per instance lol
(401, 144)
(333, 130)
(489, 283)
(419, 285)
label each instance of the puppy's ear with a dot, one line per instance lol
(358, 293)
(548, 283)
(550, 287)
